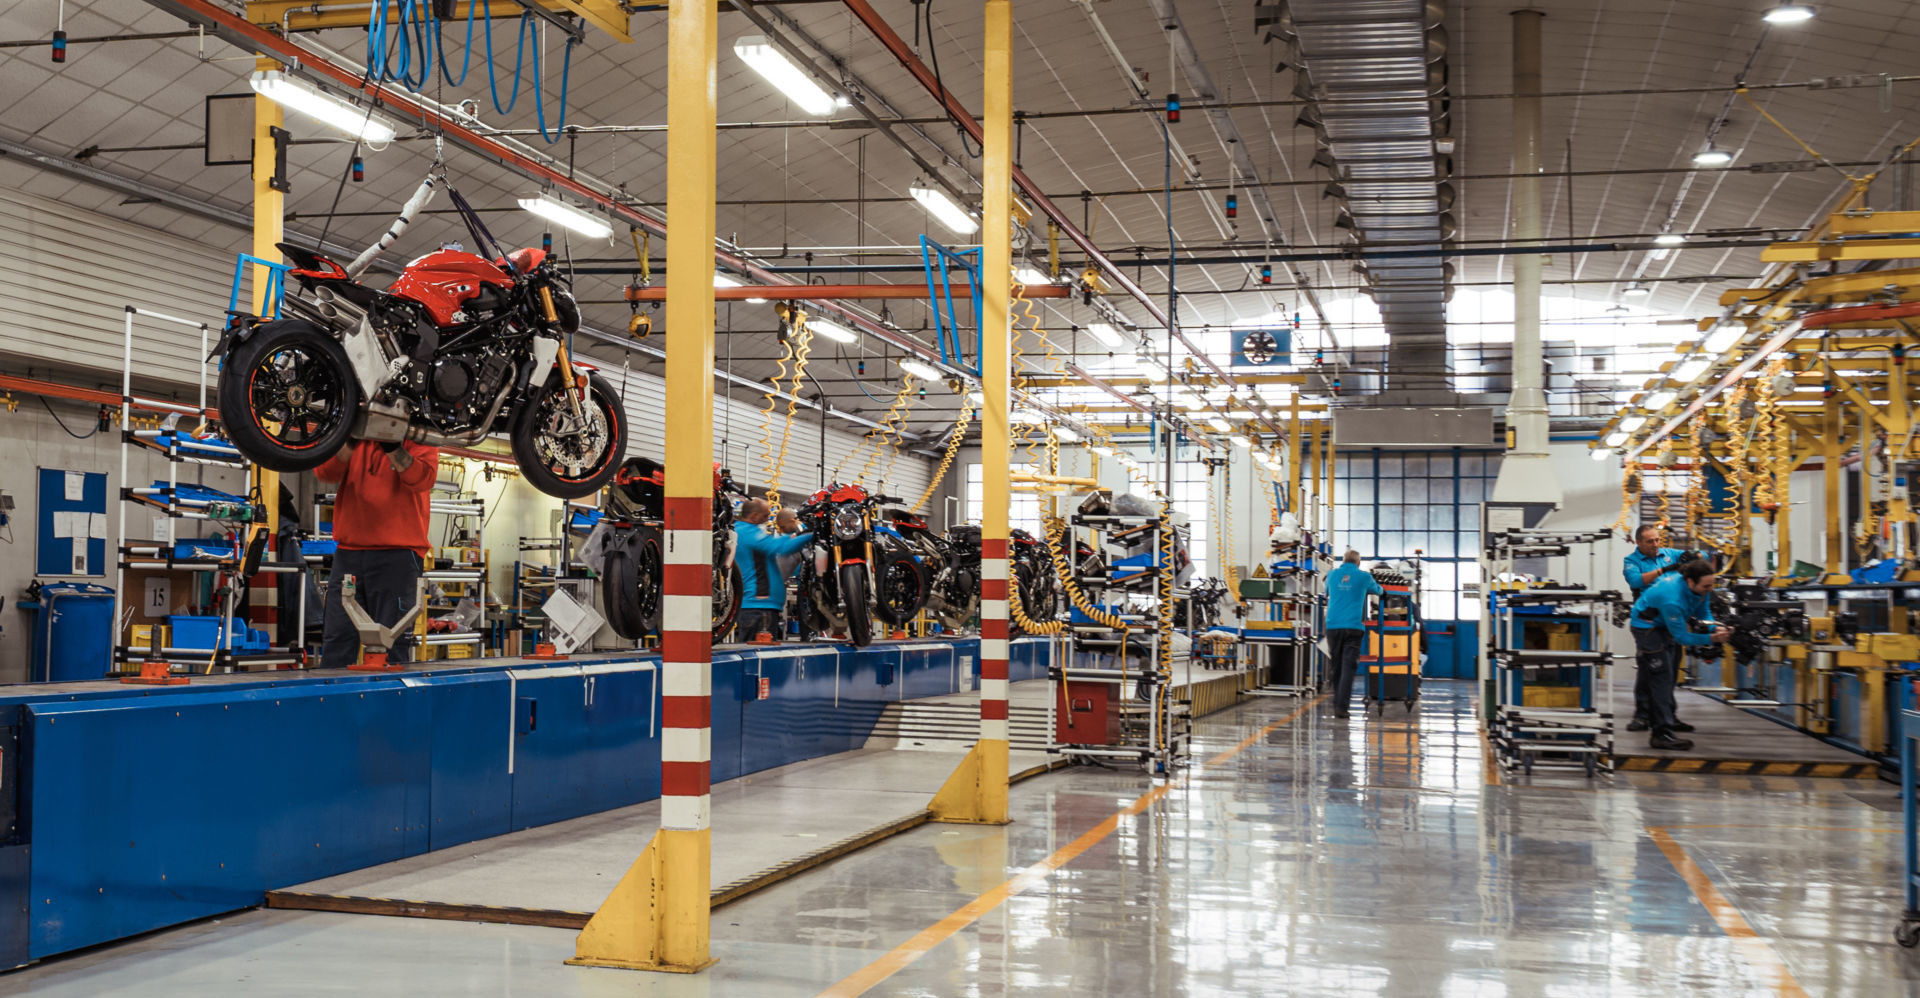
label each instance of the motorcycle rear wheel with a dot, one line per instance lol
(559, 458)
(728, 591)
(853, 593)
(288, 396)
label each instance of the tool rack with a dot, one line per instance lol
(1392, 633)
(176, 503)
(472, 580)
(1291, 615)
(1576, 735)
(1131, 704)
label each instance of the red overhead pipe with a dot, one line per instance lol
(1858, 313)
(817, 292)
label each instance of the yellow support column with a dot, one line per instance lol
(1833, 443)
(658, 916)
(1295, 454)
(269, 229)
(976, 793)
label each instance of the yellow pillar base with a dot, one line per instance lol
(976, 793)
(657, 917)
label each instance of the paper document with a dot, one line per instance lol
(76, 486)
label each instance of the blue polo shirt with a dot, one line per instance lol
(1637, 564)
(1347, 589)
(1674, 603)
(758, 554)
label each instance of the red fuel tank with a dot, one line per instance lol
(444, 280)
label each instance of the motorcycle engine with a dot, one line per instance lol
(464, 385)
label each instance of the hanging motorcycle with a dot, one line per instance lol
(634, 567)
(1033, 576)
(458, 347)
(838, 584)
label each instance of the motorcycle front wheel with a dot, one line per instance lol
(853, 592)
(565, 456)
(287, 396)
(902, 590)
(728, 591)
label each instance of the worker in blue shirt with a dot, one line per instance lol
(758, 552)
(1348, 587)
(1645, 564)
(1662, 619)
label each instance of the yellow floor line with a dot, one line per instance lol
(903, 955)
(1756, 950)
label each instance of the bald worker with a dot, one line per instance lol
(764, 582)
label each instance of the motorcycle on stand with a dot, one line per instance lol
(1032, 565)
(460, 346)
(851, 578)
(631, 559)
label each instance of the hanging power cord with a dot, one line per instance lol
(1696, 501)
(955, 439)
(63, 423)
(878, 435)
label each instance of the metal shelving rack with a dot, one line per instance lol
(1152, 727)
(160, 555)
(1295, 600)
(1578, 736)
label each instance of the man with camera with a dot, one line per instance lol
(1646, 564)
(1663, 621)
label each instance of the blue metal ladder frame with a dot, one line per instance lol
(936, 259)
(276, 285)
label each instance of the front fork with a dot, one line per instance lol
(564, 359)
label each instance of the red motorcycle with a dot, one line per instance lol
(634, 512)
(458, 347)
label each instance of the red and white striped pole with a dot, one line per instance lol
(977, 790)
(658, 917)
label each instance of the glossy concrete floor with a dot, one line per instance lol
(1302, 856)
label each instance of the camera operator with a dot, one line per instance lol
(1663, 619)
(1647, 563)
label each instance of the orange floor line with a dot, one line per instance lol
(903, 955)
(1756, 950)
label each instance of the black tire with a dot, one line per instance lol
(288, 356)
(902, 591)
(728, 591)
(581, 471)
(623, 607)
(853, 593)
(650, 579)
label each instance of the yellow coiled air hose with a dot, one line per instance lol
(954, 441)
(802, 346)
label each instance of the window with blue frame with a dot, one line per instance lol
(1392, 504)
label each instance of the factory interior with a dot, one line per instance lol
(645, 497)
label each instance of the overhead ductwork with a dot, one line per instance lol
(1376, 72)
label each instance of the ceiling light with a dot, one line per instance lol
(943, 208)
(563, 214)
(721, 280)
(1633, 423)
(976, 398)
(1105, 333)
(1687, 370)
(323, 107)
(797, 84)
(921, 370)
(1722, 338)
(1220, 424)
(1658, 400)
(1669, 239)
(1066, 433)
(1188, 401)
(1030, 275)
(1602, 453)
(1102, 450)
(1788, 13)
(1242, 441)
(832, 330)
(1636, 290)
(1712, 157)
(1615, 439)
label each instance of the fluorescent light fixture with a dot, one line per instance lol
(1220, 424)
(943, 208)
(1242, 441)
(1687, 370)
(1658, 400)
(976, 397)
(1615, 439)
(1188, 401)
(1105, 333)
(1633, 423)
(721, 280)
(797, 84)
(1602, 453)
(1066, 433)
(323, 107)
(1030, 275)
(832, 330)
(1669, 239)
(1722, 338)
(1712, 157)
(1788, 13)
(921, 370)
(1636, 290)
(567, 216)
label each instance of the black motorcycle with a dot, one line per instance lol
(851, 578)
(1201, 609)
(634, 513)
(951, 565)
(1041, 598)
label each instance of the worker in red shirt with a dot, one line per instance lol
(380, 513)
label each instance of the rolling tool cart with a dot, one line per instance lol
(1391, 659)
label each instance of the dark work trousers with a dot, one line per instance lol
(1343, 647)
(384, 580)
(1656, 655)
(752, 621)
(1641, 690)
